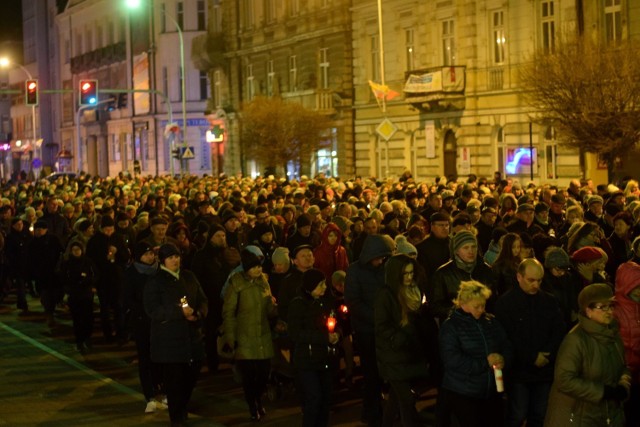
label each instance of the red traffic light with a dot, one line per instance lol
(31, 92)
(88, 92)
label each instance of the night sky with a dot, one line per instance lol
(10, 23)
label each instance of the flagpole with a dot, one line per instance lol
(381, 41)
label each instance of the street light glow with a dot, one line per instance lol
(133, 4)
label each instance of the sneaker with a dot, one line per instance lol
(162, 404)
(152, 406)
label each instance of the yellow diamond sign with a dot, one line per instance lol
(386, 129)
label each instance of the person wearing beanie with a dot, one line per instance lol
(464, 265)
(524, 221)
(177, 306)
(312, 340)
(620, 242)
(136, 276)
(627, 312)
(590, 263)
(248, 306)
(404, 247)
(303, 234)
(594, 211)
(43, 252)
(281, 267)
(485, 227)
(78, 276)
(158, 233)
(541, 218)
(365, 277)
(591, 380)
(561, 281)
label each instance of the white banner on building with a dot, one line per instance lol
(429, 82)
(464, 156)
(430, 138)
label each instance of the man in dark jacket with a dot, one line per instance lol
(16, 245)
(464, 265)
(534, 325)
(433, 251)
(211, 269)
(365, 278)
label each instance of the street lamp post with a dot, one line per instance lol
(133, 4)
(5, 62)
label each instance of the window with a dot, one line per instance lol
(270, 11)
(271, 75)
(163, 18)
(180, 14)
(499, 38)
(324, 68)
(251, 90)
(202, 16)
(216, 20)
(165, 81)
(375, 58)
(204, 85)
(248, 14)
(217, 88)
(293, 74)
(612, 20)
(410, 48)
(294, 7)
(548, 27)
(448, 42)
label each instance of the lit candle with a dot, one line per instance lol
(331, 322)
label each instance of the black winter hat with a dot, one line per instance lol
(167, 250)
(140, 249)
(311, 279)
(249, 260)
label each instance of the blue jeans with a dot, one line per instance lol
(527, 401)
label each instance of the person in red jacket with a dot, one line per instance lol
(330, 256)
(627, 311)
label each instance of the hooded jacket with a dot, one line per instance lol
(627, 311)
(330, 258)
(363, 282)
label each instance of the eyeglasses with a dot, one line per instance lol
(605, 307)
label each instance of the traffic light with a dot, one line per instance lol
(175, 153)
(31, 92)
(88, 92)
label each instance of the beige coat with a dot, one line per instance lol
(248, 304)
(590, 357)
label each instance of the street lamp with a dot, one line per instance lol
(134, 4)
(4, 63)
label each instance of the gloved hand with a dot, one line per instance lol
(617, 393)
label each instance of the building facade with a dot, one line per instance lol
(135, 57)
(299, 50)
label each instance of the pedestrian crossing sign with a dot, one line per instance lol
(187, 153)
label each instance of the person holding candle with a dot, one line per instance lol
(472, 345)
(313, 331)
(405, 336)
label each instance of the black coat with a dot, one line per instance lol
(432, 254)
(533, 324)
(211, 270)
(15, 249)
(308, 331)
(174, 339)
(78, 277)
(136, 277)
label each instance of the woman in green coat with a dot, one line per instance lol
(591, 380)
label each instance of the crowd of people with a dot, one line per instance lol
(519, 303)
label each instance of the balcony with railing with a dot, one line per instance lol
(97, 58)
(436, 89)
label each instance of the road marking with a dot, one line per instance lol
(71, 362)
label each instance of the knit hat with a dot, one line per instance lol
(594, 293)
(281, 256)
(460, 239)
(297, 249)
(557, 258)
(159, 221)
(140, 249)
(211, 228)
(586, 254)
(595, 199)
(462, 218)
(541, 207)
(404, 247)
(525, 207)
(227, 215)
(249, 260)
(167, 250)
(311, 279)
(83, 224)
(303, 221)
(107, 221)
(439, 216)
(313, 210)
